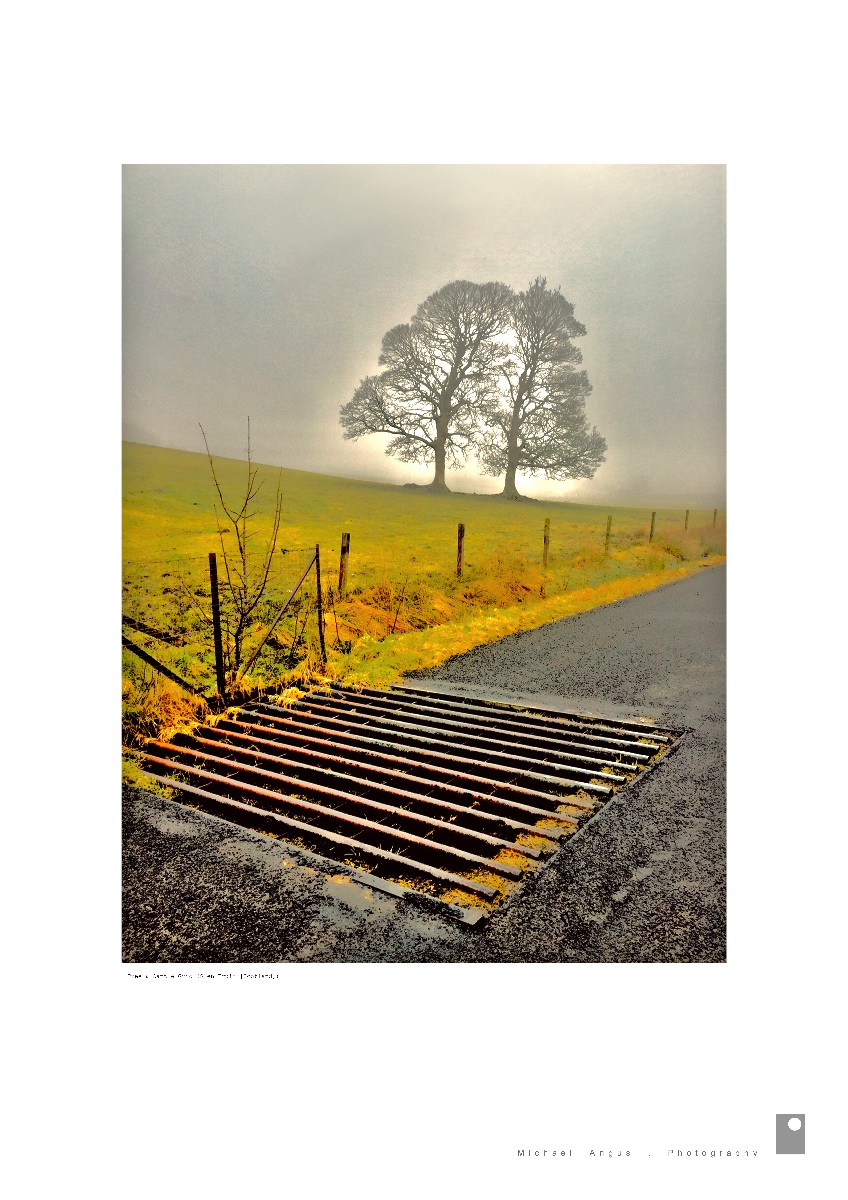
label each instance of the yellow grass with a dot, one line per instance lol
(405, 608)
(381, 663)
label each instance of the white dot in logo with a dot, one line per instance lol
(794, 1123)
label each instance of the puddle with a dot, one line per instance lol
(356, 896)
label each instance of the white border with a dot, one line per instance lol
(379, 1080)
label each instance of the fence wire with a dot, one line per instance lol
(167, 611)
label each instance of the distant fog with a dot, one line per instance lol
(266, 291)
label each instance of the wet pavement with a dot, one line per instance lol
(643, 882)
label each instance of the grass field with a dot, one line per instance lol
(404, 607)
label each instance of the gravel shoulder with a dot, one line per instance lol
(645, 882)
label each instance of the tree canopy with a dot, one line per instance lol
(539, 425)
(439, 370)
(482, 368)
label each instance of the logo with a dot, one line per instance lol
(789, 1133)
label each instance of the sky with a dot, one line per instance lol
(265, 291)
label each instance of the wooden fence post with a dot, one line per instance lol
(216, 627)
(320, 603)
(606, 543)
(547, 542)
(343, 557)
(651, 534)
(460, 547)
(686, 522)
(715, 514)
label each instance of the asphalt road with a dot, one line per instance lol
(645, 882)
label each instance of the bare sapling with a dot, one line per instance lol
(246, 568)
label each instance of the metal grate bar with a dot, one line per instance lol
(456, 730)
(432, 795)
(418, 735)
(414, 843)
(248, 814)
(273, 752)
(491, 798)
(545, 715)
(484, 772)
(353, 789)
(536, 725)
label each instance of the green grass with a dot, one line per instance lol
(168, 502)
(402, 569)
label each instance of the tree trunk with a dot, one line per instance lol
(442, 428)
(438, 484)
(510, 492)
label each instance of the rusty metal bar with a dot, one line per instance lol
(510, 767)
(160, 667)
(452, 731)
(547, 719)
(651, 534)
(573, 728)
(421, 844)
(540, 726)
(562, 745)
(344, 780)
(546, 541)
(432, 824)
(289, 731)
(460, 549)
(250, 815)
(612, 724)
(539, 768)
(543, 730)
(447, 782)
(215, 736)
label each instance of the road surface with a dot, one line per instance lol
(644, 883)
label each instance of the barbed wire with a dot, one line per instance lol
(204, 558)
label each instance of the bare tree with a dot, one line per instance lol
(539, 426)
(440, 373)
(246, 571)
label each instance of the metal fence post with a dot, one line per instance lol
(651, 534)
(547, 542)
(216, 627)
(606, 543)
(320, 603)
(686, 522)
(460, 547)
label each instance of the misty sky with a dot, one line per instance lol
(267, 290)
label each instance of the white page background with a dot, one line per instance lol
(414, 1080)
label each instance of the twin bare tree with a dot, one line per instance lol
(481, 369)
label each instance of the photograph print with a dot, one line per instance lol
(423, 594)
